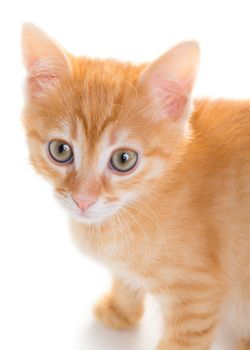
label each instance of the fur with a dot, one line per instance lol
(178, 226)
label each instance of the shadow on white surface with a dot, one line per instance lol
(108, 339)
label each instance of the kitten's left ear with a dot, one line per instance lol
(46, 62)
(168, 82)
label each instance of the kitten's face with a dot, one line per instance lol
(95, 148)
(96, 130)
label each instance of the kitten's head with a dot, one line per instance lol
(102, 132)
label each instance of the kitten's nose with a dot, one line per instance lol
(84, 202)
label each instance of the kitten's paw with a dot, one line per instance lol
(112, 315)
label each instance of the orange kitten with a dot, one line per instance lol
(156, 188)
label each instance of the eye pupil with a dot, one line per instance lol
(124, 157)
(62, 148)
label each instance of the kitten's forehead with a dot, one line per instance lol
(100, 92)
(97, 94)
(105, 82)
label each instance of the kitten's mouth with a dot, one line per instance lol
(91, 218)
(88, 215)
(95, 214)
(92, 215)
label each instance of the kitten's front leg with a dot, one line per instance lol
(190, 321)
(122, 307)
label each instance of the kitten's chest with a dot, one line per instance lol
(132, 276)
(136, 262)
(132, 266)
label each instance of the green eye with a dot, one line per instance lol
(123, 160)
(60, 151)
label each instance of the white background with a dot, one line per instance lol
(47, 288)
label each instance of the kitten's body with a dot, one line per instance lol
(192, 238)
(182, 231)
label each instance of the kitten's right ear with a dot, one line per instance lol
(44, 59)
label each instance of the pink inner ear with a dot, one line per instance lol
(39, 83)
(42, 75)
(173, 96)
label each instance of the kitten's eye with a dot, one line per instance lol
(60, 151)
(123, 160)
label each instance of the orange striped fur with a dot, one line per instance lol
(178, 226)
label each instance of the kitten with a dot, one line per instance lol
(156, 188)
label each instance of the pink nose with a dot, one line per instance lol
(83, 202)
